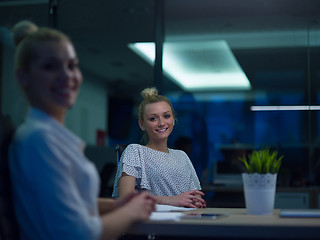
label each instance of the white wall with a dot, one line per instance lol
(90, 111)
(88, 114)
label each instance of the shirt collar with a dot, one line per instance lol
(35, 114)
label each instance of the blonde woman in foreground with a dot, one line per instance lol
(55, 187)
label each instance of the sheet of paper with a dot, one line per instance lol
(166, 216)
(168, 208)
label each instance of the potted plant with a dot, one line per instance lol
(260, 180)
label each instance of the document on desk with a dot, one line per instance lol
(169, 208)
(166, 216)
(168, 212)
(300, 213)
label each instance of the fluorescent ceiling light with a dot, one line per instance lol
(198, 66)
(284, 108)
(22, 2)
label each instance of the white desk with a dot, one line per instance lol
(237, 225)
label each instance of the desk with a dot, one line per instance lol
(238, 225)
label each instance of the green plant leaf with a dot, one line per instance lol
(262, 161)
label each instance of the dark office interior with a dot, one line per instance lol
(276, 43)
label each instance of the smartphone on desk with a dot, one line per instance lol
(203, 215)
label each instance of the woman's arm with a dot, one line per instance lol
(190, 199)
(106, 205)
(126, 184)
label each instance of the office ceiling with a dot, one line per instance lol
(264, 35)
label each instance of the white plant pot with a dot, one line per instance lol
(259, 192)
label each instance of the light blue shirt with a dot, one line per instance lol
(55, 187)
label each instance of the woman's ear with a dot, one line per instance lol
(22, 77)
(140, 125)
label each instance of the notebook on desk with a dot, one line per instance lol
(300, 213)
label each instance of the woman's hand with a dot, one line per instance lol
(202, 203)
(141, 204)
(121, 201)
(135, 207)
(190, 199)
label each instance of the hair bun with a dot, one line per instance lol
(147, 92)
(21, 30)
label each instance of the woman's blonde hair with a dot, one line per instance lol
(150, 95)
(26, 36)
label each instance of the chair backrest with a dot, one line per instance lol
(108, 172)
(104, 158)
(119, 148)
(9, 229)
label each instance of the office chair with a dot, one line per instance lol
(104, 159)
(108, 172)
(9, 229)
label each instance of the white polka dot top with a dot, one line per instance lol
(162, 174)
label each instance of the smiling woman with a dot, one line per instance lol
(55, 187)
(166, 173)
(47, 72)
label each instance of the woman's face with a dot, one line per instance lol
(53, 79)
(158, 121)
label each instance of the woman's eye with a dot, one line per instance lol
(74, 65)
(167, 116)
(152, 119)
(50, 66)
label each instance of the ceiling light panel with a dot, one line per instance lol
(198, 65)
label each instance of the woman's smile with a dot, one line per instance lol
(162, 130)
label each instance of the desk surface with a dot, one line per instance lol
(238, 224)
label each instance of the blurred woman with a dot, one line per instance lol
(55, 187)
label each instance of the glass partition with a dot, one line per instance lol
(276, 44)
